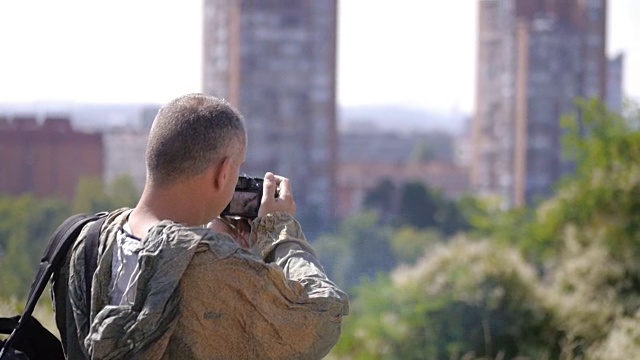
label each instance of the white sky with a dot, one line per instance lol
(401, 52)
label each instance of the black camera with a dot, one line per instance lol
(246, 198)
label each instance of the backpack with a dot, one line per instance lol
(28, 339)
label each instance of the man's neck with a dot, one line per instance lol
(177, 204)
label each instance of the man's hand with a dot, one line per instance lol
(270, 203)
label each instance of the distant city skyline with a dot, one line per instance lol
(418, 53)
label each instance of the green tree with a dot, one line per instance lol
(122, 191)
(603, 193)
(93, 195)
(463, 300)
(383, 199)
(26, 224)
(360, 249)
(560, 281)
(593, 224)
(409, 244)
(414, 204)
(417, 206)
(422, 207)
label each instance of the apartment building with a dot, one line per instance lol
(535, 57)
(48, 158)
(275, 60)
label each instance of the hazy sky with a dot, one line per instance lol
(408, 52)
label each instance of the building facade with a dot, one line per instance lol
(46, 159)
(535, 58)
(615, 71)
(368, 157)
(275, 60)
(125, 155)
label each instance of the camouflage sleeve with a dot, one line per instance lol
(279, 239)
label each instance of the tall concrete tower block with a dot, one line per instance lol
(535, 58)
(275, 60)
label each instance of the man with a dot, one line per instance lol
(169, 287)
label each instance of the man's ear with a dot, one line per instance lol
(221, 173)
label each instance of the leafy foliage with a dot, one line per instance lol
(93, 195)
(382, 199)
(413, 204)
(465, 298)
(27, 222)
(25, 226)
(401, 222)
(359, 250)
(409, 244)
(559, 281)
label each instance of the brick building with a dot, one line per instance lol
(48, 158)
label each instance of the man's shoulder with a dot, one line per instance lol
(117, 217)
(219, 244)
(219, 256)
(206, 240)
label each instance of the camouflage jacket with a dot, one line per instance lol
(201, 296)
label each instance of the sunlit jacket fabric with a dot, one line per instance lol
(200, 296)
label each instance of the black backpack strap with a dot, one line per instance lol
(59, 244)
(91, 243)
